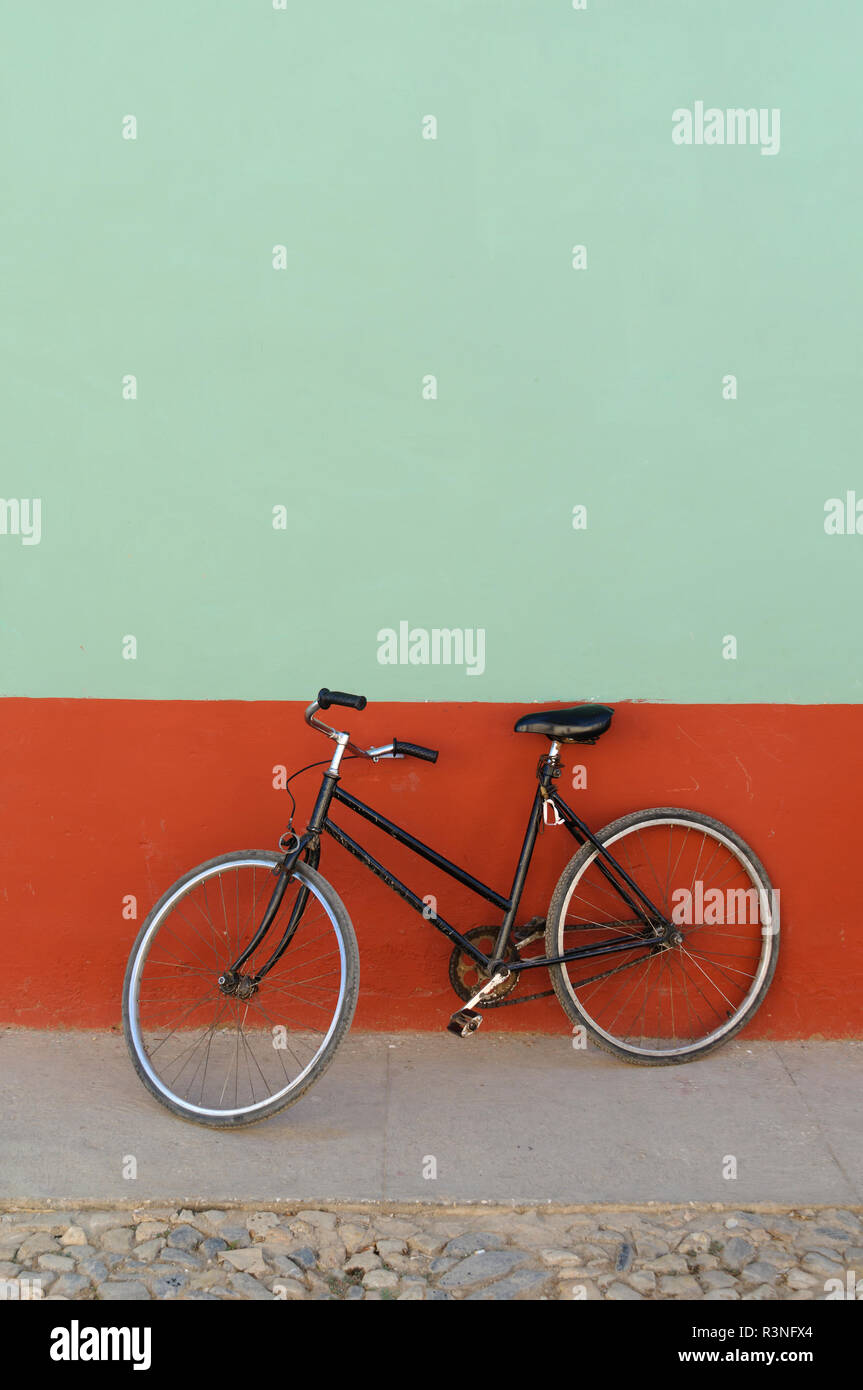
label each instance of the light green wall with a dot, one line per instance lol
(407, 257)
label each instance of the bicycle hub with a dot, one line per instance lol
(241, 986)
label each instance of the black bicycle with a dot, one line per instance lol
(661, 940)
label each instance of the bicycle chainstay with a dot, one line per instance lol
(527, 930)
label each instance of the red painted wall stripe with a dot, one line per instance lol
(106, 798)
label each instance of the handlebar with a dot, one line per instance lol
(338, 697)
(396, 749)
(414, 750)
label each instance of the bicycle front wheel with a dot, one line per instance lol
(657, 1003)
(222, 1059)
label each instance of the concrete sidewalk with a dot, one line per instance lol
(506, 1119)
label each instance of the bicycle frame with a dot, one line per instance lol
(307, 847)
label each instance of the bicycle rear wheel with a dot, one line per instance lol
(218, 1059)
(659, 1004)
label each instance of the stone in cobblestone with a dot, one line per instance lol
(411, 1296)
(332, 1254)
(426, 1243)
(94, 1269)
(9, 1269)
(118, 1240)
(392, 1246)
(702, 1262)
(380, 1279)
(211, 1220)
(304, 1256)
(354, 1293)
(625, 1257)
(644, 1280)
(38, 1244)
(280, 1243)
(245, 1261)
(667, 1264)
(149, 1230)
(198, 1296)
(286, 1268)
(799, 1279)
(250, 1287)
(163, 1214)
(717, 1279)
(736, 1253)
(170, 1285)
(407, 1265)
(413, 1281)
(650, 1248)
(761, 1292)
(558, 1257)
(211, 1247)
(121, 1291)
(9, 1251)
(779, 1225)
(472, 1241)
(622, 1293)
(838, 1216)
(149, 1249)
(620, 1224)
(758, 1273)
(773, 1254)
(207, 1279)
(95, 1223)
(393, 1227)
(364, 1260)
(354, 1236)
(52, 1223)
(182, 1259)
(322, 1220)
(854, 1256)
(132, 1269)
(73, 1235)
(236, 1236)
(442, 1263)
(476, 1269)
(522, 1284)
(185, 1238)
(694, 1243)
(745, 1219)
(721, 1296)
(831, 1236)
(60, 1264)
(585, 1252)
(679, 1286)
(261, 1222)
(819, 1262)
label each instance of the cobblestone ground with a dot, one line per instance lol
(429, 1253)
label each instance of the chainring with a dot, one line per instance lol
(467, 975)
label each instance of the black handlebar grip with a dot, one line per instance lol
(415, 750)
(338, 697)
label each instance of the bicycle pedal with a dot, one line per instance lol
(531, 931)
(464, 1022)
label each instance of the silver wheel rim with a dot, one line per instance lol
(769, 930)
(277, 1097)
